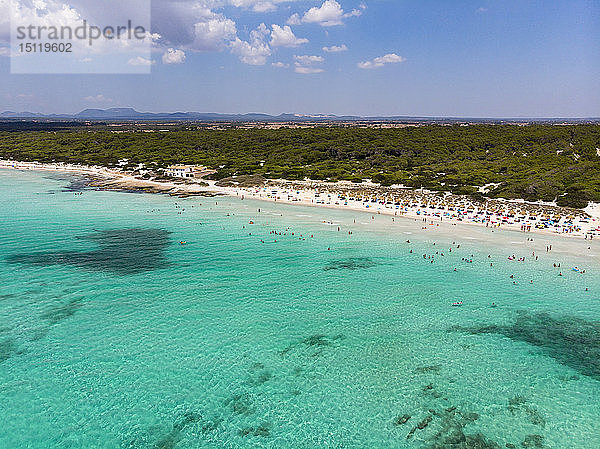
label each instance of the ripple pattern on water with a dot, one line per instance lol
(572, 341)
(119, 338)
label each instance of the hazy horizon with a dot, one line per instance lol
(315, 114)
(477, 58)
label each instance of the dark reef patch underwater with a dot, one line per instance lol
(351, 263)
(121, 251)
(315, 344)
(7, 348)
(571, 341)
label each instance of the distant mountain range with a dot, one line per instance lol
(130, 114)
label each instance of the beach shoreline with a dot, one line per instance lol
(431, 208)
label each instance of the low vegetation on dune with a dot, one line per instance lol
(533, 162)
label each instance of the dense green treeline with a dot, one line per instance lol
(535, 162)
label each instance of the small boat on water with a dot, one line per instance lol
(457, 304)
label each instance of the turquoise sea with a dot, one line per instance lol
(115, 335)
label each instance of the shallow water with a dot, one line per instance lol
(115, 335)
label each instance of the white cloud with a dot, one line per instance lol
(5, 13)
(280, 65)
(306, 59)
(330, 13)
(101, 99)
(59, 14)
(212, 32)
(259, 5)
(139, 61)
(181, 26)
(37, 14)
(335, 48)
(285, 37)
(305, 64)
(355, 12)
(173, 56)
(192, 25)
(390, 58)
(307, 70)
(257, 50)
(294, 19)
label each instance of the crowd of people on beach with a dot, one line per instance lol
(266, 233)
(526, 217)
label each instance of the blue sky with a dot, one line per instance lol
(513, 58)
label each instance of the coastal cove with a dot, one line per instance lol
(430, 207)
(282, 224)
(150, 321)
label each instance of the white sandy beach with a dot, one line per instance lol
(429, 207)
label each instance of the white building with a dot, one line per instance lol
(180, 171)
